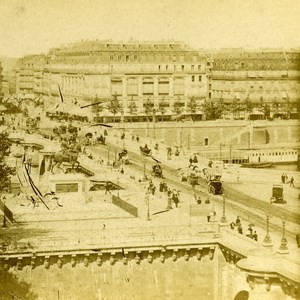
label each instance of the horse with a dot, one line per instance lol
(123, 157)
(70, 156)
(145, 150)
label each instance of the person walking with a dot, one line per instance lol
(292, 182)
(199, 201)
(255, 236)
(240, 228)
(175, 198)
(298, 239)
(107, 188)
(282, 178)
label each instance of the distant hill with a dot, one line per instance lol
(8, 63)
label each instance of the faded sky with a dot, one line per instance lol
(34, 26)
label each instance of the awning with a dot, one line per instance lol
(252, 74)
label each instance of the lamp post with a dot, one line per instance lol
(144, 169)
(267, 242)
(154, 128)
(148, 206)
(283, 248)
(108, 156)
(223, 220)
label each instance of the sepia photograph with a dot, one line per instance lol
(149, 149)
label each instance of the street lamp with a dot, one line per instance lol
(267, 242)
(154, 117)
(223, 220)
(148, 206)
(283, 246)
(108, 156)
(145, 170)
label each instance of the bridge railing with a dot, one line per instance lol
(131, 236)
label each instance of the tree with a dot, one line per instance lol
(177, 107)
(97, 109)
(114, 105)
(266, 110)
(192, 107)
(248, 105)
(162, 106)
(148, 108)
(12, 288)
(132, 107)
(214, 109)
(5, 170)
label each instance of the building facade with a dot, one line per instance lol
(163, 73)
(28, 73)
(256, 82)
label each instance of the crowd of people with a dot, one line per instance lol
(237, 225)
(285, 180)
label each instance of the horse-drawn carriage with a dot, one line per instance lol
(100, 140)
(157, 171)
(145, 150)
(123, 157)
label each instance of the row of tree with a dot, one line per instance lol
(114, 106)
(212, 109)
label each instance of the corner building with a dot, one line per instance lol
(163, 71)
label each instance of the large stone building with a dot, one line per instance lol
(169, 76)
(164, 74)
(258, 82)
(29, 75)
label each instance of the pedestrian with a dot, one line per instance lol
(191, 160)
(292, 182)
(195, 159)
(232, 225)
(107, 188)
(199, 201)
(240, 228)
(161, 186)
(237, 221)
(298, 239)
(249, 232)
(133, 137)
(255, 236)
(122, 171)
(175, 198)
(153, 189)
(207, 201)
(282, 178)
(208, 218)
(137, 138)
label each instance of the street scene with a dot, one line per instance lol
(146, 167)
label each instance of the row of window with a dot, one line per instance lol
(260, 64)
(194, 78)
(274, 153)
(153, 57)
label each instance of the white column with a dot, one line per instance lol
(140, 86)
(171, 86)
(155, 87)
